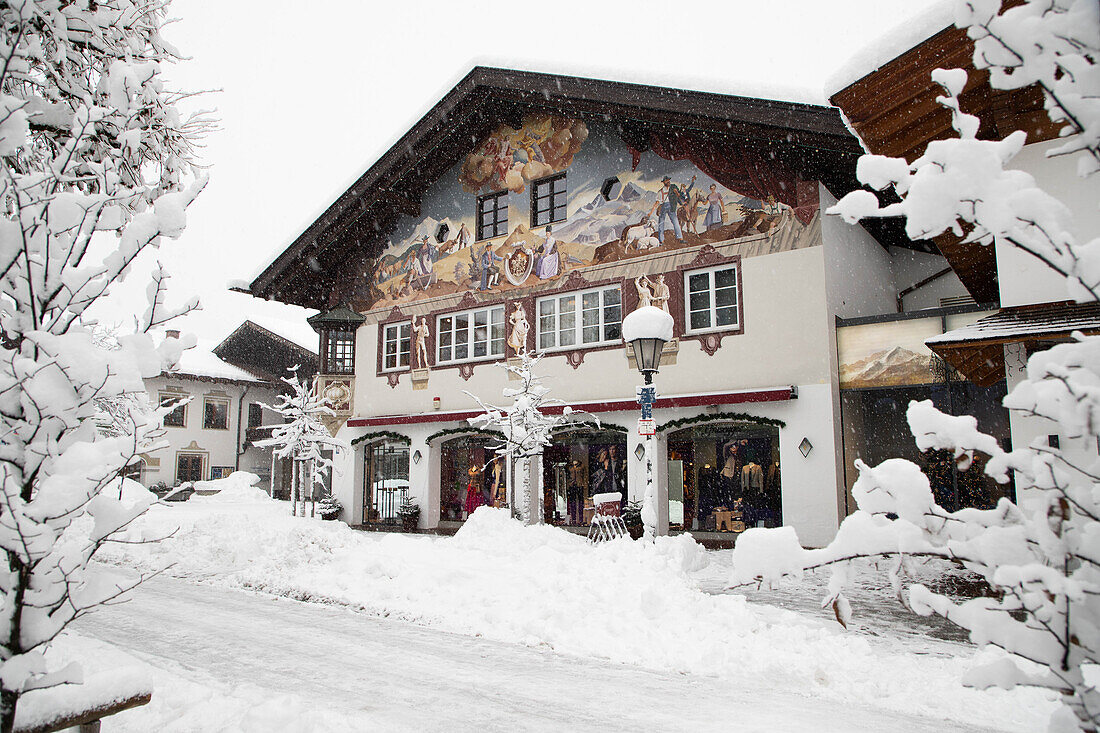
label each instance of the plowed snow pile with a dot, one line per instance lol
(624, 601)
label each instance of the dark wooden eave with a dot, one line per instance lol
(266, 354)
(337, 247)
(895, 112)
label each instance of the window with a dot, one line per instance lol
(471, 335)
(492, 215)
(217, 472)
(586, 318)
(255, 415)
(396, 339)
(548, 200)
(188, 467)
(215, 414)
(177, 418)
(338, 351)
(712, 298)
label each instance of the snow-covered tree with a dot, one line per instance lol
(527, 426)
(97, 168)
(304, 439)
(1042, 555)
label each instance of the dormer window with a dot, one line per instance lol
(337, 351)
(337, 330)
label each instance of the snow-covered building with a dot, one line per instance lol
(529, 211)
(213, 434)
(889, 97)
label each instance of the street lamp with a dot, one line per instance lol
(647, 330)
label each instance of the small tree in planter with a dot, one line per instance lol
(409, 511)
(632, 518)
(329, 508)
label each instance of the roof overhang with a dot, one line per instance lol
(977, 350)
(353, 230)
(895, 112)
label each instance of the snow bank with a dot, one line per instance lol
(624, 601)
(239, 486)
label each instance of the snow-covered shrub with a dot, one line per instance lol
(329, 507)
(526, 425)
(1041, 556)
(97, 169)
(408, 509)
(303, 438)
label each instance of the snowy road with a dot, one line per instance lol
(380, 674)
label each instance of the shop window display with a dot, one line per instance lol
(724, 478)
(579, 465)
(876, 428)
(471, 475)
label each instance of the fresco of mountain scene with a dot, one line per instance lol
(527, 207)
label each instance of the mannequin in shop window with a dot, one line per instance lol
(575, 491)
(474, 495)
(497, 492)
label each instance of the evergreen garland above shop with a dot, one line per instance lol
(382, 435)
(603, 428)
(721, 417)
(464, 431)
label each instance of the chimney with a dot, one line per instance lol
(172, 333)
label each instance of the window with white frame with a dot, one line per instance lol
(396, 340)
(711, 299)
(475, 334)
(586, 318)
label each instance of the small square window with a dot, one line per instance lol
(548, 200)
(712, 299)
(215, 414)
(492, 215)
(177, 418)
(396, 345)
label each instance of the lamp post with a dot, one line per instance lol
(647, 330)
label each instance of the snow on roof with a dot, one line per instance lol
(295, 331)
(1048, 319)
(201, 362)
(891, 44)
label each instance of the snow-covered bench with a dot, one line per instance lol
(80, 706)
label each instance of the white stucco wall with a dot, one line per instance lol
(218, 447)
(859, 271)
(911, 267)
(1023, 279)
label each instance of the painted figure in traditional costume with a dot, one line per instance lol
(645, 293)
(716, 209)
(669, 199)
(518, 337)
(490, 273)
(548, 264)
(659, 293)
(421, 331)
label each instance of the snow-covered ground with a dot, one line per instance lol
(646, 617)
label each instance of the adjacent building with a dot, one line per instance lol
(214, 432)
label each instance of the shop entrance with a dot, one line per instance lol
(724, 478)
(579, 465)
(471, 474)
(385, 481)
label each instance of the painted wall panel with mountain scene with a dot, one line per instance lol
(892, 353)
(616, 199)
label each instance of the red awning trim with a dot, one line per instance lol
(777, 394)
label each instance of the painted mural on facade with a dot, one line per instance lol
(616, 211)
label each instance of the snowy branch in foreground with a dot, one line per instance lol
(97, 168)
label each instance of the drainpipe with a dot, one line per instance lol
(241, 429)
(920, 285)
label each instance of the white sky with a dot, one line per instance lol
(312, 93)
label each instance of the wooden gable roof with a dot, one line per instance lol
(895, 112)
(354, 228)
